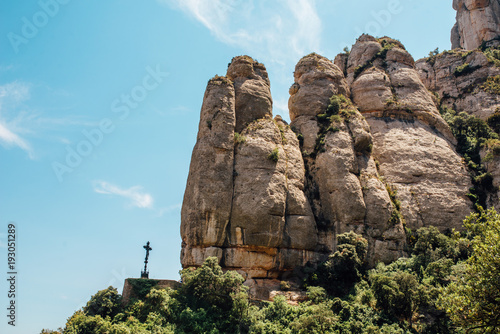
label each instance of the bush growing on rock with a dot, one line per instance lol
(274, 155)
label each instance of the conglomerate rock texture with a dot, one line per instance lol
(366, 151)
(413, 145)
(244, 199)
(477, 21)
(345, 190)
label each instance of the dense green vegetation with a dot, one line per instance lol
(448, 284)
(492, 53)
(472, 135)
(473, 298)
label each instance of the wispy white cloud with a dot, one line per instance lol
(21, 125)
(9, 138)
(28, 122)
(13, 93)
(136, 196)
(277, 31)
(280, 107)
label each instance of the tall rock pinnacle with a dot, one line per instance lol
(477, 21)
(244, 200)
(413, 145)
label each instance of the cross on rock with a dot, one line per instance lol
(145, 273)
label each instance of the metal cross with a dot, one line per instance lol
(145, 273)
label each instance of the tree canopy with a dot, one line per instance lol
(447, 284)
(473, 298)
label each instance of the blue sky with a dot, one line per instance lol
(99, 110)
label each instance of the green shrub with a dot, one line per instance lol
(343, 269)
(492, 85)
(142, 286)
(285, 286)
(492, 147)
(431, 59)
(493, 55)
(434, 53)
(238, 138)
(104, 303)
(463, 69)
(494, 121)
(274, 155)
(209, 285)
(398, 293)
(316, 294)
(395, 217)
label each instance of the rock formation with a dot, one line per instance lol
(366, 151)
(458, 77)
(412, 143)
(477, 21)
(244, 199)
(267, 200)
(343, 185)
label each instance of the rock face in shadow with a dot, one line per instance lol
(477, 21)
(206, 208)
(490, 157)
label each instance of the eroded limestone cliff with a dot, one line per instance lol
(412, 143)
